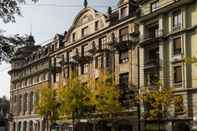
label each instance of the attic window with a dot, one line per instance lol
(74, 36)
(96, 25)
(123, 12)
(84, 31)
(155, 6)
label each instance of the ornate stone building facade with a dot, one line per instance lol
(29, 72)
(140, 41)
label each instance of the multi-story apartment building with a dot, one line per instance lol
(29, 72)
(102, 41)
(141, 42)
(168, 36)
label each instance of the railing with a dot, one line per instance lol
(152, 61)
(176, 27)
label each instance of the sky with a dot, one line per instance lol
(45, 19)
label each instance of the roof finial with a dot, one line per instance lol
(85, 3)
(31, 29)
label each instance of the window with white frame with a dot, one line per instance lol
(74, 37)
(155, 6)
(123, 12)
(99, 62)
(102, 42)
(176, 20)
(84, 31)
(177, 46)
(178, 74)
(123, 57)
(84, 68)
(96, 25)
(124, 34)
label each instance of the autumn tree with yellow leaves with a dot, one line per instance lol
(47, 105)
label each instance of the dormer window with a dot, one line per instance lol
(84, 31)
(155, 6)
(96, 25)
(74, 37)
(123, 12)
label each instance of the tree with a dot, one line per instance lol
(158, 102)
(104, 97)
(47, 105)
(98, 97)
(8, 44)
(104, 94)
(73, 99)
(190, 60)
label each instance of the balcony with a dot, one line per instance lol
(124, 42)
(177, 28)
(151, 63)
(104, 47)
(149, 38)
(83, 57)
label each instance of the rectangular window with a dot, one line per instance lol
(155, 6)
(96, 25)
(74, 36)
(124, 80)
(84, 31)
(151, 78)
(153, 56)
(179, 105)
(84, 49)
(123, 57)
(177, 46)
(176, 20)
(177, 74)
(124, 34)
(102, 42)
(124, 97)
(124, 12)
(108, 60)
(84, 68)
(99, 62)
(153, 31)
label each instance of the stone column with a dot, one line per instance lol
(117, 67)
(161, 63)
(161, 50)
(28, 104)
(141, 66)
(22, 125)
(16, 126)
(34, 125)
(27, 126)
(41, 125)
(130, 67)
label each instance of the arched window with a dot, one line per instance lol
(24, 126)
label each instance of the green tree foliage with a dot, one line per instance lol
(8, 44)
(190, 60)
(157, 102)
(47, 105)
(104, 94)
(98, 96)
(73, 98)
